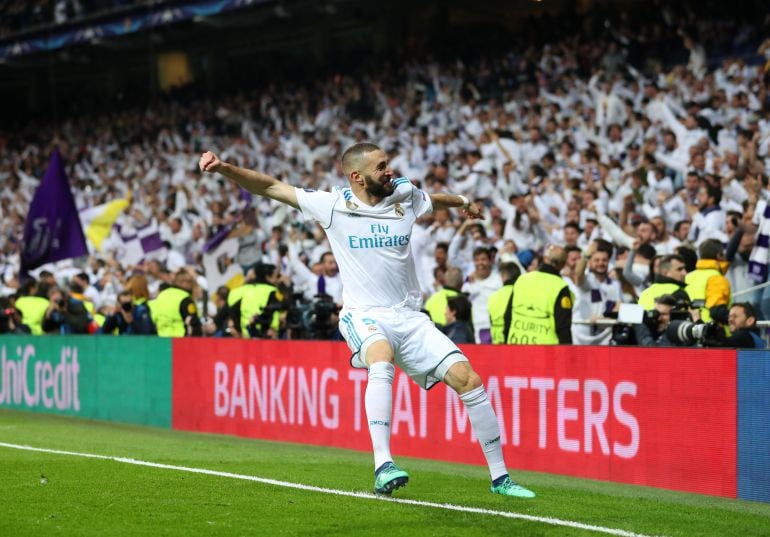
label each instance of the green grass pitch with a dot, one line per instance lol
(55, 494)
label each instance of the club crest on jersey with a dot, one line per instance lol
(351, 206)
(399, 210)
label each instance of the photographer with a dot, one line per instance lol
(262, 304)
(652, 331)
(128, 318)
(322, 318)
(221, 323)
(10, 318)
(65, 314)
(742, 321)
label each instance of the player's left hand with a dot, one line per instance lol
(472, 211)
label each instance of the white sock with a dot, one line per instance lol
(486, 429)
(378, 401)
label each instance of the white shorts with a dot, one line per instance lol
(421, 350)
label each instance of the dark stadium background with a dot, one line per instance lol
(297, 39)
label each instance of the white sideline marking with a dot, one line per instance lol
(350, 494)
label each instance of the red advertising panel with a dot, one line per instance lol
(659, 417)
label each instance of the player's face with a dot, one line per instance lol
(378, 176)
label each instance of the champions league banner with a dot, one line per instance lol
(90, 30)
(656, 417)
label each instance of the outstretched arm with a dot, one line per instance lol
(253, 181)
(444, 201)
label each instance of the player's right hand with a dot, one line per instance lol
(209, 162)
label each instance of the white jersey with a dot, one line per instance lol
(371, 243)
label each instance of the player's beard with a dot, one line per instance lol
(377, 189)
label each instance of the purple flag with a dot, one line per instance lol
(218, 238)
(52, 230)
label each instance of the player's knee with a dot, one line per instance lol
(379, 351)
(462, 378)
(472, 382)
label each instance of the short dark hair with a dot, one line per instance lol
(646, 251)
(223, 292)
(574, 225)
(748, 309)
(509, 271)
(665, 261)
(688, 255)
(461, 306)
(479, 227)
(604, 246)
(710, 249)
(713, 192)
(666, 300)
(27, 287)
(352, 154)
(75, 287)
(125, 293)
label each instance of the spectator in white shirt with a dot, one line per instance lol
(709, 221)
(481, 284)
(597, 294)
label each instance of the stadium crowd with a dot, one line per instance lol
(590, 143)
(20, 16)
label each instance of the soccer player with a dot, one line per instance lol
(369, 226)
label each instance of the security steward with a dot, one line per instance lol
(542, 304)
(669, 280)
(437, 302)
(173, 311)
(235, 299)
(32, 306)
(707, 282)
(500, 302)
(262, 303)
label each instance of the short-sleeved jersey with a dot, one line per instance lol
(371, 243)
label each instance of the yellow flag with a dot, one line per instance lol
(98, 221)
